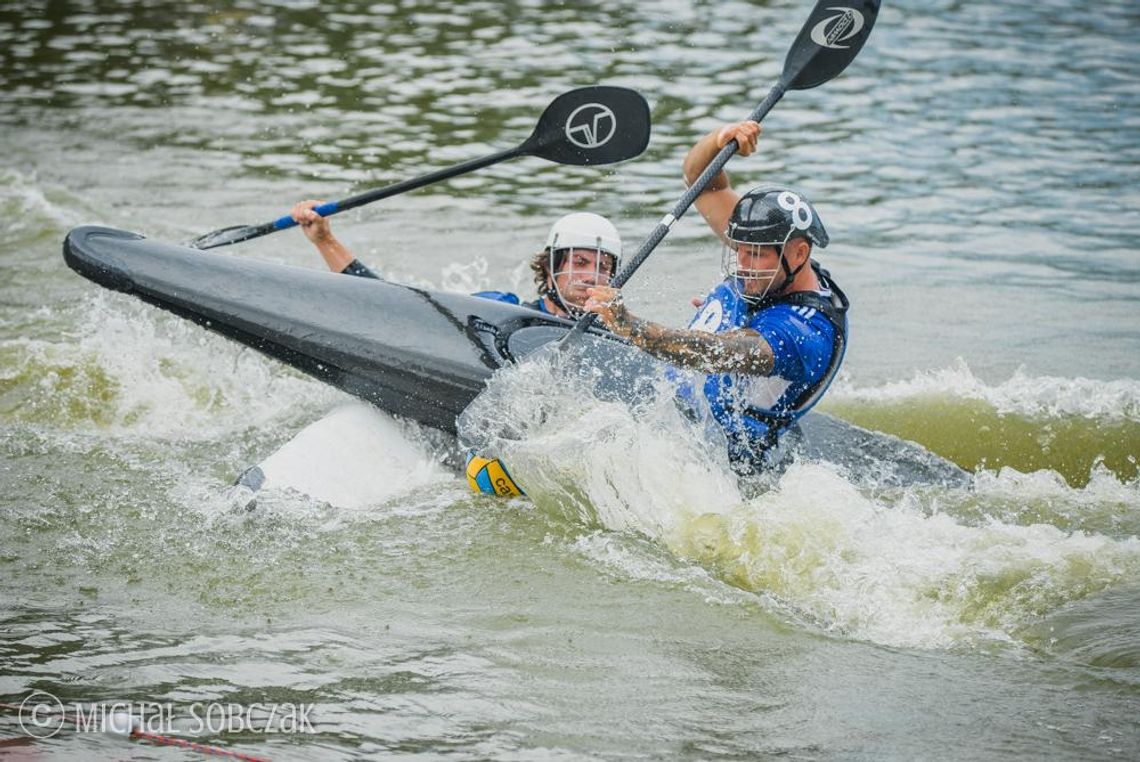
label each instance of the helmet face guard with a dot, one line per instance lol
(741, 278)
(578, 268)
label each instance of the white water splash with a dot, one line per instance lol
(465, 277)
(896, 576)
(587, 458)
(897, 569)
(132, 369)
(1023, 394)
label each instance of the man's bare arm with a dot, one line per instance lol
(317, 229)
(740, 351)
(718, 199)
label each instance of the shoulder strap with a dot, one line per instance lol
(834, 308)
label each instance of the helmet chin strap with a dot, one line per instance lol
(551, 290)
(789, 273)
(789, 276)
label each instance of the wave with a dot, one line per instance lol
(119, 366)
(1030, 423)
(926, 566)
(34, 211)
(1036, 397)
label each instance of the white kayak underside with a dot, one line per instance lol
(354, 456)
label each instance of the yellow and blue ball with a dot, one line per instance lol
(489, 476)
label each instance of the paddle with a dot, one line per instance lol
(590, 125)
(830, 39)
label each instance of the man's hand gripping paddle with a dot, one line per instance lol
(587, 126)
(830, 39)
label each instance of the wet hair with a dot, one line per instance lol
(540, 266)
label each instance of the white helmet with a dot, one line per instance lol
(584, 230)
(580, 230)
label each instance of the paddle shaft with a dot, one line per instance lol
(334, 207)
(682, 206)
(404, 186)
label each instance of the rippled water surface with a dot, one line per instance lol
(977, 168)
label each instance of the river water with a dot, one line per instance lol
(978, 169)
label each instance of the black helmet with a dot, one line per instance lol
(773, 215)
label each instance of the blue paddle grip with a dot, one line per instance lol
(281, 223)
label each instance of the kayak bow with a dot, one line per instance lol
(416, 353)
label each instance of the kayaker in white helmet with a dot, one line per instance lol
(582, 250)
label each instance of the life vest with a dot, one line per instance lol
(505, 296)
(834, 307)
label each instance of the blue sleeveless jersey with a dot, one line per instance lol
(802, 340)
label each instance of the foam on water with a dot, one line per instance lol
(1023, 394)
(1074, 426)
(127, 367)
(925, 567)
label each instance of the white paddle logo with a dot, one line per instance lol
(833, 30)
(591, 125)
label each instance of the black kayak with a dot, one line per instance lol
(416, 353)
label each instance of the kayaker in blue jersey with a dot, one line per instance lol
(770, 337)
(582, 250)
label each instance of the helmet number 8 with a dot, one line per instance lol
(797, 207)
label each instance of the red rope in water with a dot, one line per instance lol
(194, 746)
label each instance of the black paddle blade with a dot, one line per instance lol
(832, 37)
(591, 125)
(223, 237)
